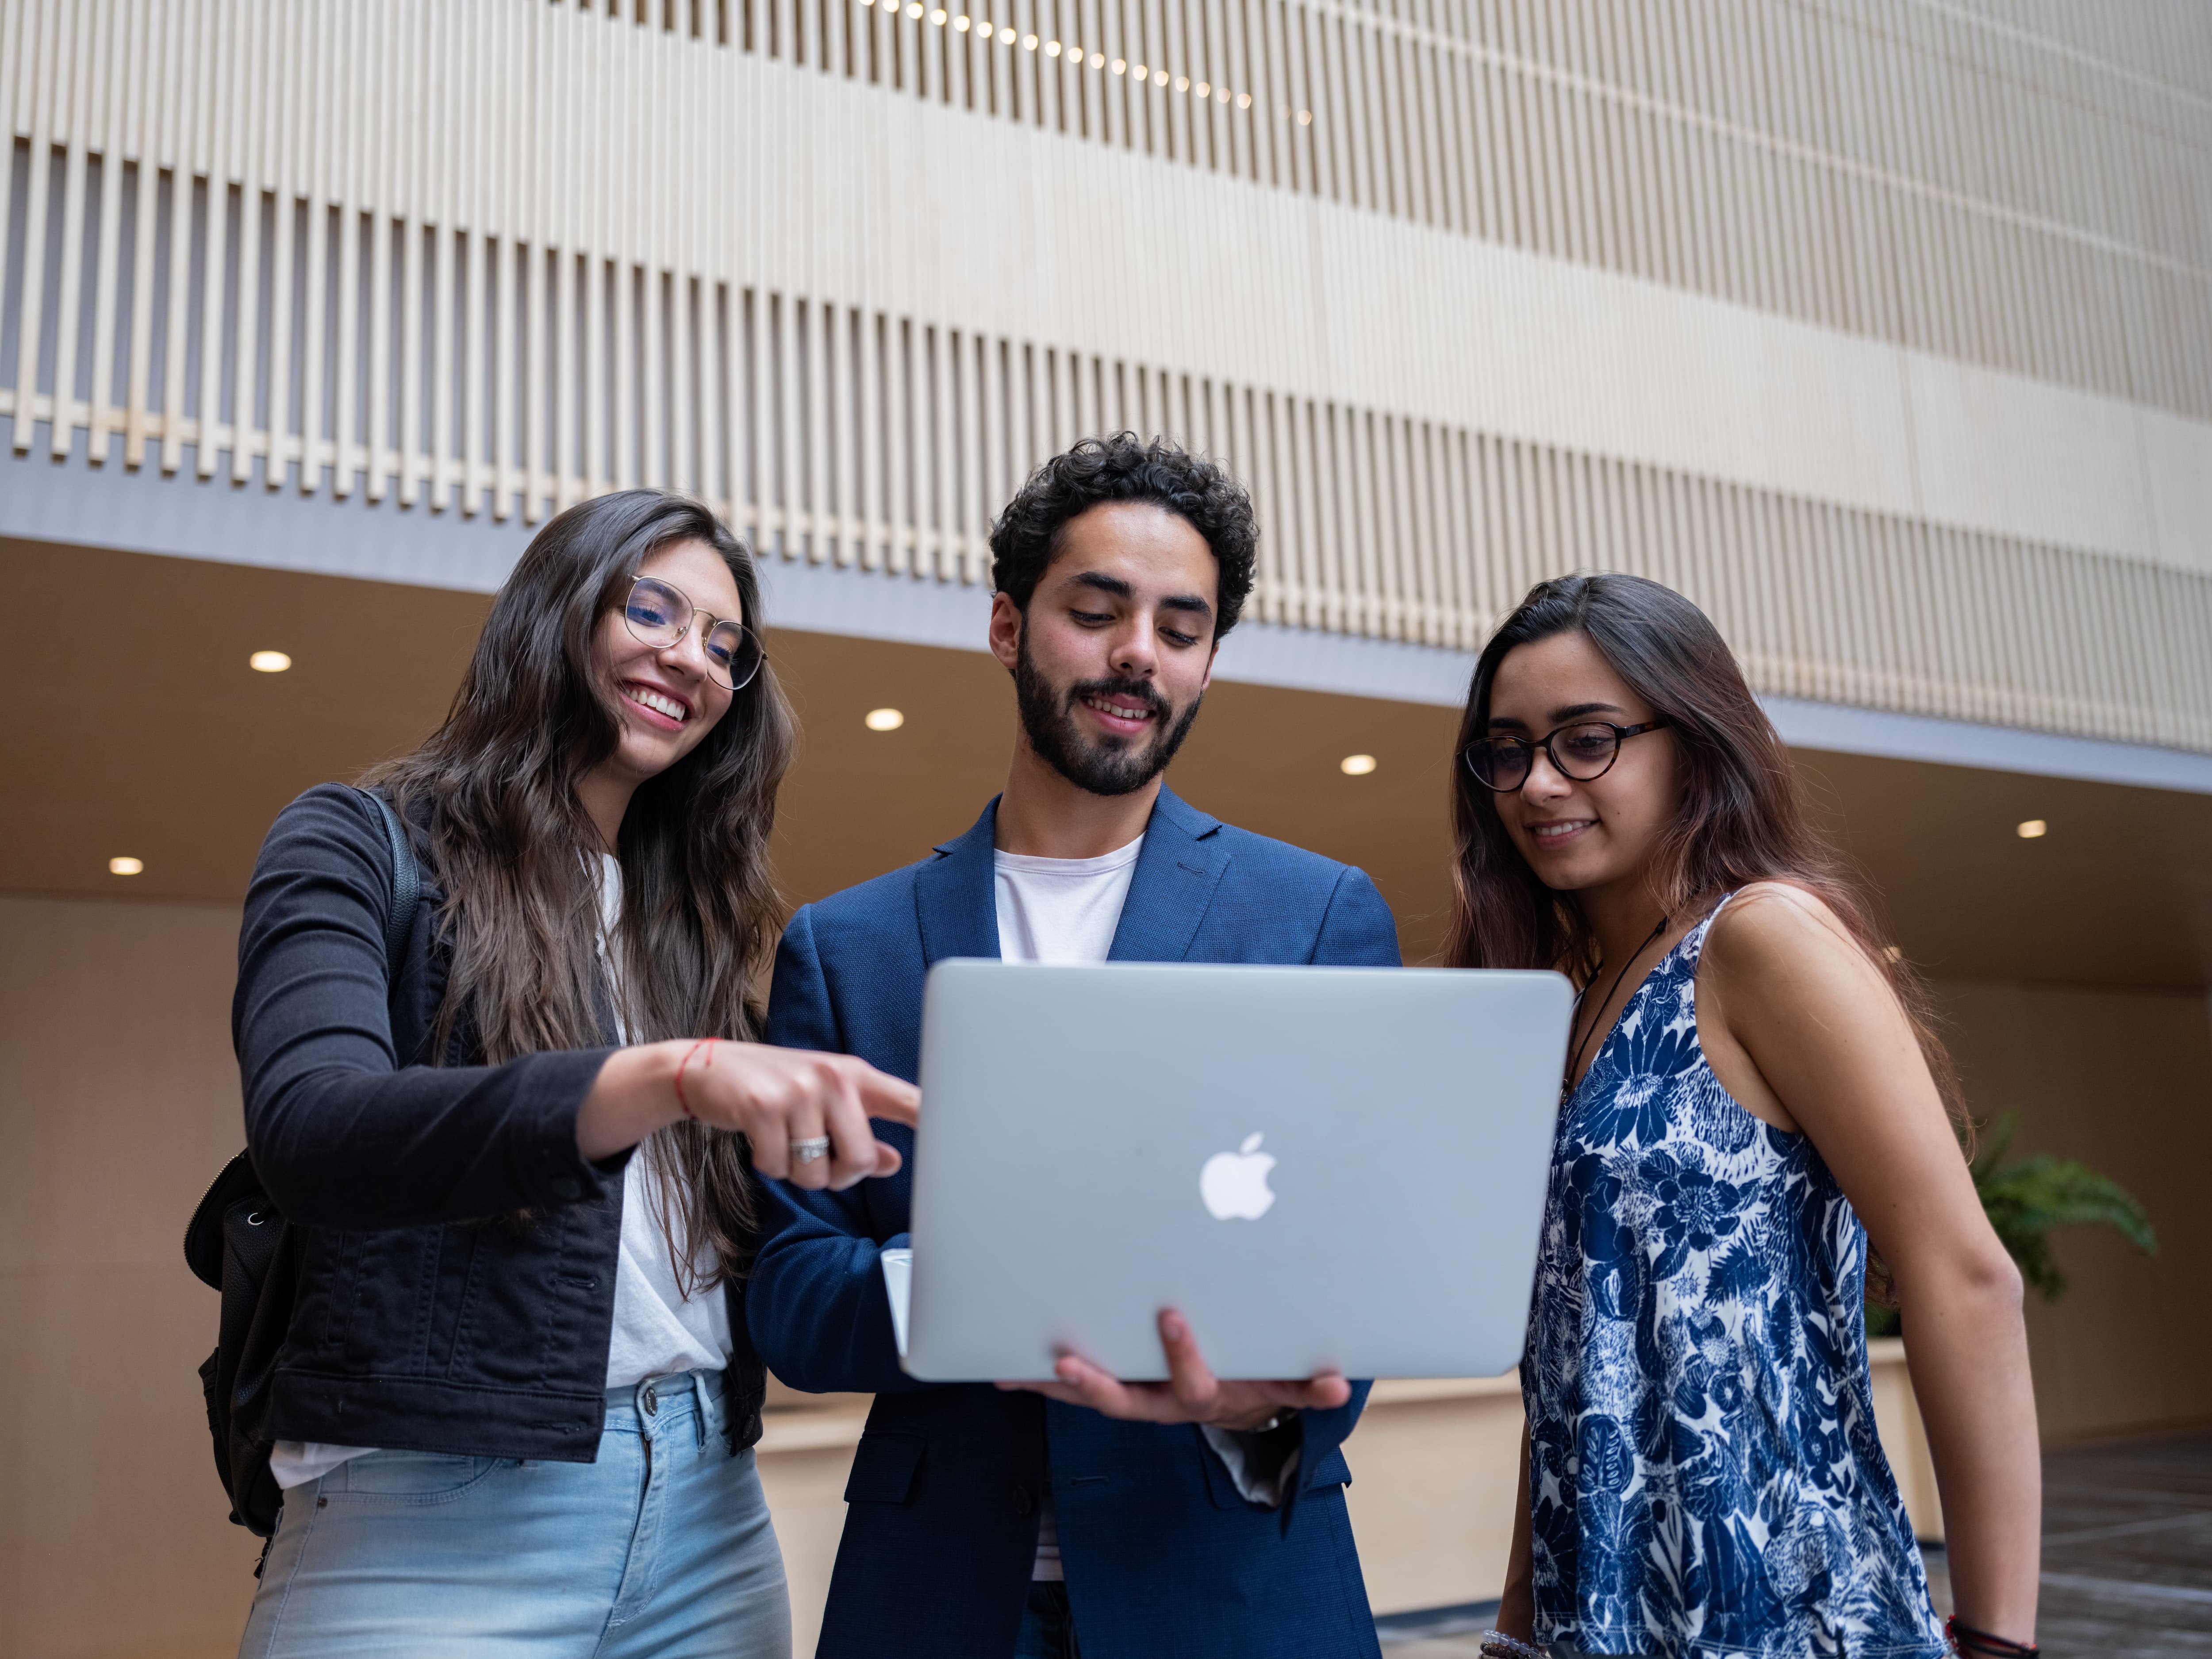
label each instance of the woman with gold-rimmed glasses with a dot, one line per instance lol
(515, 1403)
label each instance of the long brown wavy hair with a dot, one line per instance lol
(491, 799)
(1742, 819)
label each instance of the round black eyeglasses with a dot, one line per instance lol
(1583, 751)
(658, 614)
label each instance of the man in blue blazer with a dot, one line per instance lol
(1122, 1521)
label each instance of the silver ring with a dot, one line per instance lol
(813, 1147)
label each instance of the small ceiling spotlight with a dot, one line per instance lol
(125, 866)
(1892, 953)
(1356, 766)
(884, 719)
(2034, 830)
(269, 662)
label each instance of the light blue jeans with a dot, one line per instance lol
(661, 1547)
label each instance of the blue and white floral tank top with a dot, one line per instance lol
(1705, 1477)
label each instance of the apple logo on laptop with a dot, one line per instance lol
(1234, 1184)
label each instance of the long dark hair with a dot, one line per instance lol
(515, 853)
(1742, 819)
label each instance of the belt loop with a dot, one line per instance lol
(699, 1400)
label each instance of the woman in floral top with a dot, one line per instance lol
(1754, 1094)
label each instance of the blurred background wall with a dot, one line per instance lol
(1882, 328)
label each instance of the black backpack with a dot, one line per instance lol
(239, 1244)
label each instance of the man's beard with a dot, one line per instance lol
(1107, 766)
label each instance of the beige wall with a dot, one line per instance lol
(119, 1100)
(118, 1096)
(2122, 1081)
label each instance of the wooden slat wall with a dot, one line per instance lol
(2018, 183)
(212, 250)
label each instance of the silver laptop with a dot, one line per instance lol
(1321, 1167)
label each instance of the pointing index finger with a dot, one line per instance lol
(887, 1096)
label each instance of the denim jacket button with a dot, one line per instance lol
(1022, 1501)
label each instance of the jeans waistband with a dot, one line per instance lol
(656, 1407)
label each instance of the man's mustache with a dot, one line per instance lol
(1136, 692)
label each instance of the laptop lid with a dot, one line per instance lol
(1319, 1167)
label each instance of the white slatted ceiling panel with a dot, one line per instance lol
(479, 316)
(1939, 174)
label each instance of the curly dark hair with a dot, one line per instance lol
(1123, 467)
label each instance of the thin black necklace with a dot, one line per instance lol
(1575, 1059)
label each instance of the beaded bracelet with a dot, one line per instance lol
(1966, 1640)
(1497, 1644)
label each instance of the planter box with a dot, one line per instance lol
(1434, 1465)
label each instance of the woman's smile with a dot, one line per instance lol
(1551, 836)
(669, 711)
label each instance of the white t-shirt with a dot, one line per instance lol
(1066, 910)
(1060, 910)
(657, 1330)
(1063, 910)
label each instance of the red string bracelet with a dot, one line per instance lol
(707, 1044)
(1966, 1640)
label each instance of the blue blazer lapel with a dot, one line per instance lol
(1182, 864)
(956, 896)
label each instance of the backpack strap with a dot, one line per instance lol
(406, 889)
(255, 1265)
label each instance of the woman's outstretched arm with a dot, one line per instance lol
(1802, 1028)
(345, 1133)
(772, 1096)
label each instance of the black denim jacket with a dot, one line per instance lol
(428, 1317)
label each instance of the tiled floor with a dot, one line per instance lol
(2127, 1552)
(1446, 1647)
(2127, 1558)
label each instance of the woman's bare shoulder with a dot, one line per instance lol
(1778, 926)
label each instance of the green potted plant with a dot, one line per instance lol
(2027, 1199)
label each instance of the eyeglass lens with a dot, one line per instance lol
(1580, 752)
(658, 615)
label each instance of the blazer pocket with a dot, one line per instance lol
(882, 1468)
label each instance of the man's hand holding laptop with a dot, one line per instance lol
(1192, 1393)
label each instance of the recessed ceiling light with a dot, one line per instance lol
(1892, 953)
(885, 719)
(1356, 766)
(269, 662)
(125, 866)
(2034, 830)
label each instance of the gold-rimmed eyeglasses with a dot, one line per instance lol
(657, 613)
